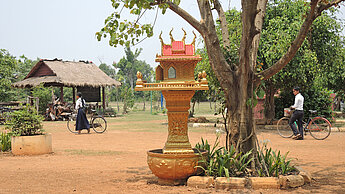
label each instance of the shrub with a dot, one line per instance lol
(164, 110)
(45, 97)
(5, 141)
(25, 122)
(221, 162)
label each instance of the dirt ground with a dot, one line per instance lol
(115, 162)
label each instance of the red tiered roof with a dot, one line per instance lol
(177, 50)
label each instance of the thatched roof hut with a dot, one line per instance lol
(61, 74)
(66, 73)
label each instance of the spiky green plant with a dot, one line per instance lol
(5, 141)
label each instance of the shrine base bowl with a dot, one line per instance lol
(174, 169)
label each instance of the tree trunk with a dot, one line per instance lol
(215, 101)
(241, 118)
(117, 100)
(124, 111)
(144, 104)
(236, 79)
(191, 112)
(269, 111)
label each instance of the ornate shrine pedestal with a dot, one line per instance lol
(178, 104)
(177, 160)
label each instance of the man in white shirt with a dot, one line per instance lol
(297, 115)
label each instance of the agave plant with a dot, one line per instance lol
(5, 141)
(276, 163)
(221, 162)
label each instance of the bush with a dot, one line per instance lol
(5, 141)
(44, 95)
(25, 122)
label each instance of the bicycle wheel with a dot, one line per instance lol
(319, 128)
(283, 127)
(99, 124)
(71, 125)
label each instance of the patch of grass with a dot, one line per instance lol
(137, 116)
(139, 127)
(204, 108)
(91, 152)
(201, 109)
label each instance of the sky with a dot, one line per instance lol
(65, 29)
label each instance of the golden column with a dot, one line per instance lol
(178, 104)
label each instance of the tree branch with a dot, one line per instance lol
(323, 6)
(222, 69)
(259, 20)
(295, 45)
(223, 24)
(186, 16)
(249, 13)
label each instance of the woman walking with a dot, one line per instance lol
(81, 122)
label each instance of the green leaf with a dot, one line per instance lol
(260, 93)
(122, 27)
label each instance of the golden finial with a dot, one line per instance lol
(171, 37)
(193, 43)
(204, 75)
(204, 82)
(139, 75)
(139, 83)
(184, 35)
(160, 37)
(199, 75)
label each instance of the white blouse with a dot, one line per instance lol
(79, 104)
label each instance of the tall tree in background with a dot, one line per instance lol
(129, 65)
(239, 80)
(277, 34)
(318, 53)
(327, 41)
(107, 69)
(8, 65)
(13, 70)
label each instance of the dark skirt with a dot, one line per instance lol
(82, 122)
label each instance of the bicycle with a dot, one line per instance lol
(318, 127)
(97, 122)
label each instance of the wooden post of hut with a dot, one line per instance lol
(103, 98)
(61, 94)
(73, 91)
